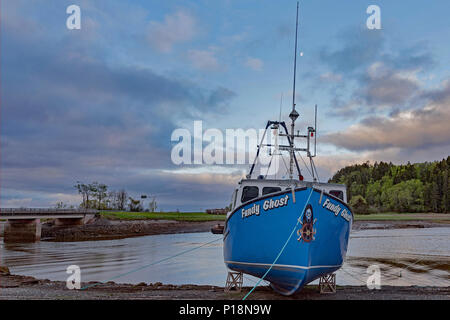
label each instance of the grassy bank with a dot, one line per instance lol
(178, 216)
(394, 216)
(202, 216)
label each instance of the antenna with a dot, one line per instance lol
(294, 114)
(295, 60)
(281, 105)
(315, 129)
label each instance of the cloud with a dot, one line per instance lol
(408, 129)
(358, 50)
(177, 28)
(368, 75)
(328, 164)
(361, 49)
(387, 87)
(17, 202)
(331, 77)
(380, 89)
(220, 97)
(204, 59)
(70, 111)
(254, 64)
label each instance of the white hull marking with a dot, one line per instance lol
(282, 265)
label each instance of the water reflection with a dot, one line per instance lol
(405, 257)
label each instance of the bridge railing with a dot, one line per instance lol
(43, 211)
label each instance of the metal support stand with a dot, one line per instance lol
(327, 283)
(234, 281)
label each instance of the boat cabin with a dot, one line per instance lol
(250, 189)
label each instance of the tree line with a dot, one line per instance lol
(96, 195)
(383, 187)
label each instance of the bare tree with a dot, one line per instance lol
(101, 194)
(153, 205)
(135, 205)
(85, 192)
(94, 194)
(122, 197)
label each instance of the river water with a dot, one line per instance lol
(404, 257)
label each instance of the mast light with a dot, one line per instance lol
(293, 115)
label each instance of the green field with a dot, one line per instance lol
(394, 216)
(202, 216)
(178, 216)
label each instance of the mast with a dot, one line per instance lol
(294, 114)
(295, 60)
(290, 135)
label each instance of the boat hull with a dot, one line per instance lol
(256, 233)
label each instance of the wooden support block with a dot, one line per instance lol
(234, 281)
(327, 283)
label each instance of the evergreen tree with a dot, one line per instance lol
(402, 188)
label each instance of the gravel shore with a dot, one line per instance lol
(14, 287)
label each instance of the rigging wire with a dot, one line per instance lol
(305, 164)
(153, 263)
(282, 249)
(287, 169)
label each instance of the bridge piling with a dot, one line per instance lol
(24, 230)
(61, 222)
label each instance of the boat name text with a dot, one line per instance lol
(336, 209)
(267, 205)
(254, 210)
(272, 204)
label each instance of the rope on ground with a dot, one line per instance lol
(282, 249)
(254, 281)
(351, 275)
(153, 263)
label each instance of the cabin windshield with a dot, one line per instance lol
(337, 193)
(249, 193)
(267, 190)
(251, 189)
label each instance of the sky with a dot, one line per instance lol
(101, 103)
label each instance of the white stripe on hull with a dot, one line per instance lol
(282, 265)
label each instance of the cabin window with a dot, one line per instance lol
(338, 194)
(233, 199)
(249, 193)
(267, 190)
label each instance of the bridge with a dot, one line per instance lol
(24, 224)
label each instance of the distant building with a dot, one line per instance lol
(216, 211)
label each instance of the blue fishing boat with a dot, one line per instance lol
(288, 232)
